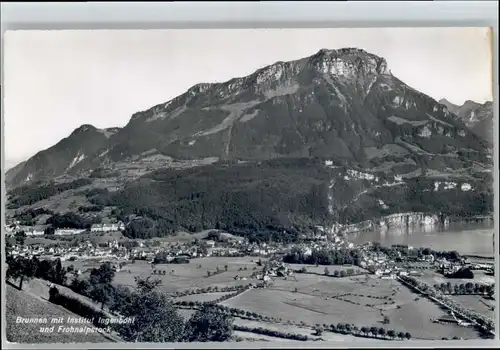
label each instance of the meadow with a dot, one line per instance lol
(477, 303)
(193, 275)
(361, 301)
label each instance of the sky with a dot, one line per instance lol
(55, 81)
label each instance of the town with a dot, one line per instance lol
(341, 271)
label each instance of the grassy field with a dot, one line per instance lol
(83, 265)
(23, 304)
(202, 297)
(363, 301)
(249, 336)
(328, 336)
(191, 276)
(477, 303)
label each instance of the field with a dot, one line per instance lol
(328, 336)
(477, 303)
(202, 297)
(311, 299)
(324, 300)
(190, 276)
(24, 304)
(83, 265)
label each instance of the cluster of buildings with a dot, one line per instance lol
(40, 230)
(81, 251)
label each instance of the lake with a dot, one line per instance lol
(465, 238)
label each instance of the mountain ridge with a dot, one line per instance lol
(338, 104)
(478, 117)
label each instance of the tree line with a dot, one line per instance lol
(465, 288)
(323, 257)
(23, 269)
(33, 193)
(28, 217)
(270, 198)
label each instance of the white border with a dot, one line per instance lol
(144, 15)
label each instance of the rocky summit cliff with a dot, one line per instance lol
(478, 117)
(342, 105)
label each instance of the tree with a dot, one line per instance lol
(381, 332)
(20, 237)
(407, 335)
(225, 267)
(327, 272)
(156, 319)
(49, 231)
(20, 268)
(209, 325)
(58, 273)
(391, 334)
(401, 335)
(81, 286)
(147, 285)
(101, 279)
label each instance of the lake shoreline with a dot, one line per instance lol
(472, 240)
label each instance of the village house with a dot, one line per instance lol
(11, 229)
(209, 244)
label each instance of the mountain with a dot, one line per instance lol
(478, 117)
(342, 105)
(333, 138)
(68, 156)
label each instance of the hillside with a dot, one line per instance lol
(23, 304)
(278, 199)
(336, 104)
(478, 117)
(68, 156)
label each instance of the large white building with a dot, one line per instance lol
(119, 226)
(68, 231)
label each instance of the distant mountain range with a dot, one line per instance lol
(478, 117)
(333, 137)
